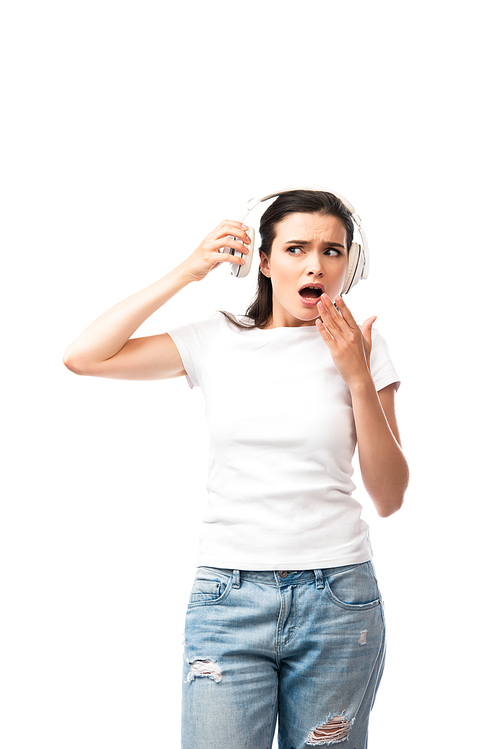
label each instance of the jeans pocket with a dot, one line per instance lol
(211, 586)
(354, 588)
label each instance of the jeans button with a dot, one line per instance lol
(283, 573)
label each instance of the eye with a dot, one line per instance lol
(332, 252)
(293, 250)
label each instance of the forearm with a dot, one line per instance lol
(383, 465)
(107, 335)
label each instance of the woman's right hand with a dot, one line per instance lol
(210, 253)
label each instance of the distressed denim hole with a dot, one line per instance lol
(335, 729)
(204, 667)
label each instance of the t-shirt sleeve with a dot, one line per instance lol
(192, 342)
(382, 368)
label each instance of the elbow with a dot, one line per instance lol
(391, 502)
(71, 363)
(68, 362)
(389, 507)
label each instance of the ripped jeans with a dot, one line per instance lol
(305, 647)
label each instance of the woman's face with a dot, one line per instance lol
(309, 250)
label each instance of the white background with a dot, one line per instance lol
(129, 130)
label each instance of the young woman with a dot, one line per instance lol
(285, 616)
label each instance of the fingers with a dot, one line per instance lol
(228, 241)
(228, 222)
(226, 257)
(345, 312)
(338, 318)
(330, 315)
(367, 326)
(366, 330)
(339, 313)
(229, 228)
(229, 234)
(326, 336)
(210, 253)
(349, 345)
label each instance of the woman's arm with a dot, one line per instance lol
(383, 466)
(105, 348)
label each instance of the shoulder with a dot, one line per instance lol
(382, 368)
(201, 334)
(194, 341)
(196, 329)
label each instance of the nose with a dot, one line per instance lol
(315, 267)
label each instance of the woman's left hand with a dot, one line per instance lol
(350, 346)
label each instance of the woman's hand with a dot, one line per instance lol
(349, 346)
(210, 253)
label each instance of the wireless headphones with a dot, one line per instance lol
(358, 264)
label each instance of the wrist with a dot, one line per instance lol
(183, 274)
(363, 386)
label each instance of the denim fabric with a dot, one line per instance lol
(305, 647)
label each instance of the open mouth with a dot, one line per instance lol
(311, 294)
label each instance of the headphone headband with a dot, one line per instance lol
(313, 188)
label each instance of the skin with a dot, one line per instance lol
(106, 348)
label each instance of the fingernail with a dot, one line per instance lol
(243, 226)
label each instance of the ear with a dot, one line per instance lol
(264, 265)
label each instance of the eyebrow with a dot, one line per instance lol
(305, 241)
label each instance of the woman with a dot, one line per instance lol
(285, 615)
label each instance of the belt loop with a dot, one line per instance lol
(236, 579)
(320, 583)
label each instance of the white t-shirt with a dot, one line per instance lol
(282, 438)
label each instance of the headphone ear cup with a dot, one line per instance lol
(354, 267)
(240, 271)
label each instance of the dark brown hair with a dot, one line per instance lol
(296, 201)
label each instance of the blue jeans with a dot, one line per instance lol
(306, 646)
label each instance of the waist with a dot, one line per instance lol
(284, 577)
